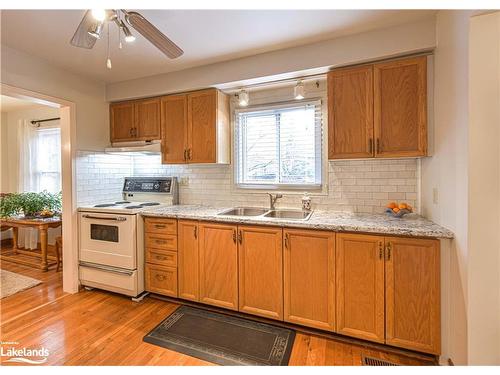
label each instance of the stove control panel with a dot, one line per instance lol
(149, 184)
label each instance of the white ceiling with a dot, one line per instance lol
(206, 36)
(10, 104)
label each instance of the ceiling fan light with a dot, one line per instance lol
(243, 98)
(299, 91)
(129, 37)
(95, 30)
(99, 14)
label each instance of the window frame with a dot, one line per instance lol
(320, 167)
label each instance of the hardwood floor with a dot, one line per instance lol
(101, 328)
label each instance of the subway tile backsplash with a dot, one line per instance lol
(352, 185)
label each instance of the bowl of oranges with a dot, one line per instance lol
(398, 210)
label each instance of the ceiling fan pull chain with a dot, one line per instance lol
(108, 61)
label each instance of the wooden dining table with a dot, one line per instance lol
(42, 225)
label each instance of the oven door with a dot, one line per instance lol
(108, 239)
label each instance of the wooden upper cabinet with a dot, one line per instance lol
(413, 294)
(360, 286)
(400, 107)
(350, 105)
(260, 275)
(309, 278)
(188, 260)
(202, 130)
(218, 265)
(174, 113)
(196, 128)
(147, 119)
(135, 120)
(122, 121)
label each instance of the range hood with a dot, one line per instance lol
(138, 147)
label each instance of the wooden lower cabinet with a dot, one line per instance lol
(412, 286)
(360, 287)
(161, 279)
(309, 278)
(188, 260)
(218, 265)
(260, 274)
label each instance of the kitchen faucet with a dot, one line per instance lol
(273, 199)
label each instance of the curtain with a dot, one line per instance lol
(39, 169)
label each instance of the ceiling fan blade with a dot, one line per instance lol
(81, 38)
(155, 36)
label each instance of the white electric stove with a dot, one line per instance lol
(111, 236)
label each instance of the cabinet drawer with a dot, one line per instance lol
(161, 280)
(161, 226)
(163, 258)
(161, 241)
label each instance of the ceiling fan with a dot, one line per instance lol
(91, 27)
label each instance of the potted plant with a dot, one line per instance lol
(30, 204)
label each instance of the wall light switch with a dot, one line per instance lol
(435, 196)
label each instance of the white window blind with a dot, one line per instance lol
(279, 145)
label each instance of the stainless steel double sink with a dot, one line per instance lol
(270, 214)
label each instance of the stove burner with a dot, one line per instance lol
(105, 205)
(149, 204)
(132, 207)
(122, 202)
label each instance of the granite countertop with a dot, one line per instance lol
(411, 225)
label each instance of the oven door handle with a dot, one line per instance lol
(107, 268)
(119, 218)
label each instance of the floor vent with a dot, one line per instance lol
(369, 361)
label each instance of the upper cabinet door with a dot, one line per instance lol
(400, 107)
(413, 294)
(360, 286)
(350, 108)
(174, 129)
(202, 126)
(122, 121)
(147, 119)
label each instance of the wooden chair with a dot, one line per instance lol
(58, 252)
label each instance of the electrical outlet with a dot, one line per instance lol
(184, 181)
(435, 196)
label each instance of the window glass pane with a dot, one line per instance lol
(48, 159)
(280, 145)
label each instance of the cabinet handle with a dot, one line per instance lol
(234, 235)
(240, 237)
(160, 277)
(286, 240)
(131, 132)
(195, 232)
(378, 146)
(389, 248)
(190, 157)
(185, 154)
(370, 145)
(380, 250)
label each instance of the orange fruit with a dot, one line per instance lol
(395, 209)
(392, 205)
(402, 206)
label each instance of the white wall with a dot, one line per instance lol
(32, 73)
(316, 57)
(484, 191)
(10, 151)
(447, 172)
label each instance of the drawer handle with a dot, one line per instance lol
(160, 277)
(162, 242)
(160, 226)
(161, 257)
